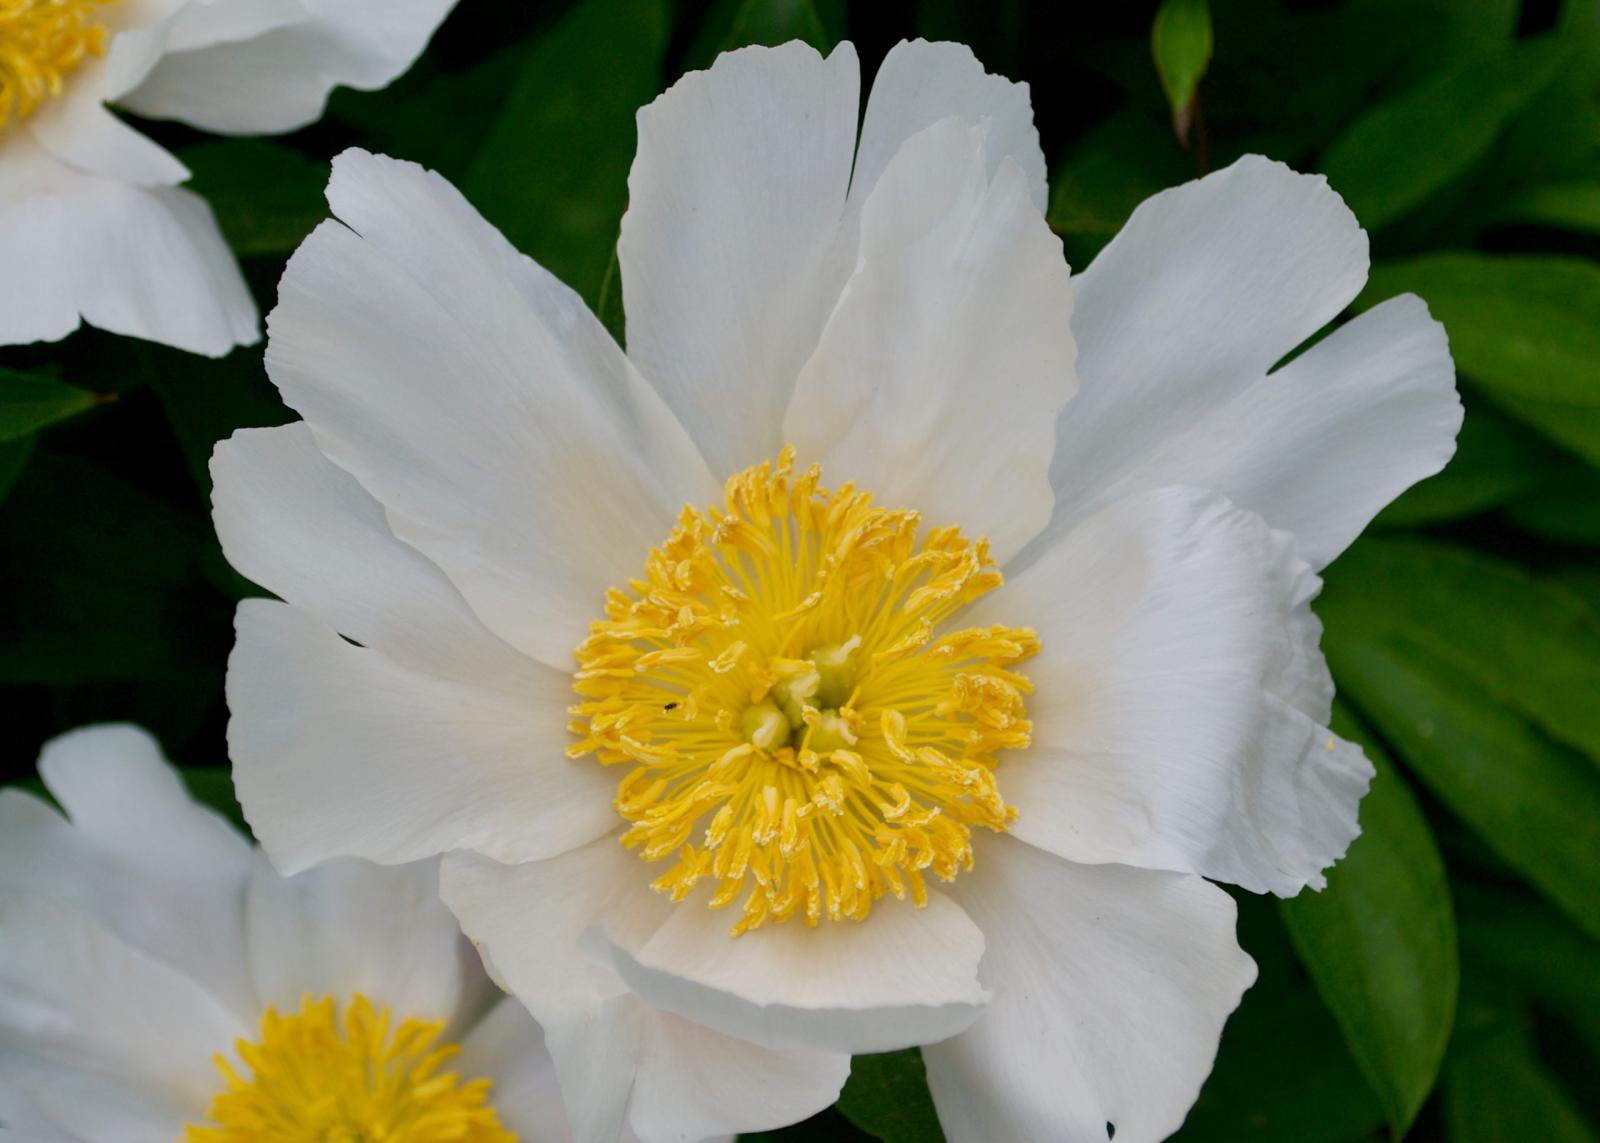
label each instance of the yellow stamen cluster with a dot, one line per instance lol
(41, 41)
(317, 1078)
(794, 711)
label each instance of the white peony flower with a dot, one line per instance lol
(93, 224)
(159, 981)
(795, 702)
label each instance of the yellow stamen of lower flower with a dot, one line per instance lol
(798, 715)
(315, 1077)
(41, 41)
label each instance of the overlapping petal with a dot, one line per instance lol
(268, 66)
(939, 377)
(1111, 986)
(137, 854)
(479, 401)
(1178, 652)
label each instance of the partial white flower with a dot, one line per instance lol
(159, 981)
(93, 225)
(937, 809)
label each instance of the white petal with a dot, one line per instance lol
(906, 976)
(507, 1048)
(143, 262)
(480, 401)
(694, 1083)
(1206, 287)
(618, 1059)
(1167, 724)
(940, 375)
(78, 130)
(279, 79)
(350, 926)
(341, 752)
(919, 84)
(295, 522)
(1111, 986)
(176, 25)
(83, 1013)
(735, 197)
(1319, 446)
(163, 873)
(21, 1121)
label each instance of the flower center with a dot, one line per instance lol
(317, 1076)
(785, 672)
(41, 41)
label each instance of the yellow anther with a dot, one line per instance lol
(41, 43)
(315, 1074)
(787, 687)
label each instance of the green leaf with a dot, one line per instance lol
(1180, 41)
(887, 1095)
(13, 459)
(1496, 461)
(1528, 643)
(103, 582)
(1522, 946)
(734, 24)
(206, 401)
(29, 403)
(1380, 942)
(1525, 327)
(1283, 1074)
(1569, 205)
(267, 197)
(1116, 166)
(552, 171)
(213, 786)
(1535, 802)
(1396, 156)
(1496, 1089)
(1566, 510)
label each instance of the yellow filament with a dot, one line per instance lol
(317, 1078)
(796, 714)
(41, 41)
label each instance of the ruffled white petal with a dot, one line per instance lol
(735, 197)
(939, 377)
(145, 262)
(694, 1083)
(298, 524)
(620, 1060)
(350, 926)
(920, 83)
(1171, 730)
(907, 977)
(107, 1042)
(163, 873)
(1111, 986)
(218, 78)
(479, 401)
(341, 752)
(1207, 286)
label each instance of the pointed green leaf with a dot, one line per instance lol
(1570, 205)
(1380, 942)
(887, 1096)
(552, 172)
(1180, 41)
(1528, 643)
(1393, 158)
(1535, 802)
(1524, 327)
(29, 403)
